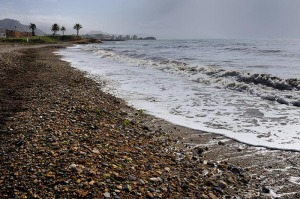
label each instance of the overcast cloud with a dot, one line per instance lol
(174, 19)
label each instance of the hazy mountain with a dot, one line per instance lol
(12, 24)
(95, 32)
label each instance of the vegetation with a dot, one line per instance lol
(42, 39)
(32, 26)
(55, 28)
(63, 29)
(49, 39)
(77, 27)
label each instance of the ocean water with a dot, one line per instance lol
(248, 90)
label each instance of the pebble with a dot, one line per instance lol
(150, 195)
(167, 169)
(73, 167)
(142, 182)
(107, 195)
(222, 184)
(212, 195)
(153, 179)
(131, 178)
(127, 188)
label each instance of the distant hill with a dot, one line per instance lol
(12, 24)
(95, 32)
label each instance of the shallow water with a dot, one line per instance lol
(245, 90)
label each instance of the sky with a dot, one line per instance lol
(164, 19)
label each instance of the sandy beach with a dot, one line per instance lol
(62, 137)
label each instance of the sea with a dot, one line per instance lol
(247, 90)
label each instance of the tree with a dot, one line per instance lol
(63, 29)
(127, 37)
(32, 26)
(77, 27)
(55, 28)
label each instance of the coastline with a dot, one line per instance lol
(61, 135)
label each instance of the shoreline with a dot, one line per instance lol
(223, 166)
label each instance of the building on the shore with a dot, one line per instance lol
(17, 34)
(2, 34)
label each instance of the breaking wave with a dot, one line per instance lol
(266, 86)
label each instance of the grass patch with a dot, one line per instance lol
(42, 39)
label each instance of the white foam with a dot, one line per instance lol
(295, 180)
(177, 99)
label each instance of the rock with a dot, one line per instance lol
(184, 185)
(265, 190)
(73, 167)
(212, 195)
(142, 182)
(151, 189)
(149, 195)
(199, 151)
(146, 128)
(221, 143)
(211, 183)
(159, 179)
(212, 164)
(153, 179)
(218, 190)
(131, 178)
(167, 169)
(20, 142)
(222, 184)
(96, 151)
(198, 195)
(106, 195)
(127, 188)
(203, 196)
(234, 170)
(119, 187)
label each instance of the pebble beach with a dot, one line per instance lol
(61, 136)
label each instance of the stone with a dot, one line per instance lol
(211, 183)
(159, 179)
(150, 195)
(212, 195)
(234, 170)
(184, 185)
(203, 196)
(131, 178)
(106, 195)
(198, 195)
(222, 184)
(199, 151)
(73, 167)
(142, 182)
(265, 190)
(153, 179)
(119, 187)
(127, 188)
(151, 189)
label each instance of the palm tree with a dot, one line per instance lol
(77, 27)
(32, 26)
(55, 28)
(63, 29)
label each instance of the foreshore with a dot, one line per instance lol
(62, 137)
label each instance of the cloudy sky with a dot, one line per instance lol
(174, 19)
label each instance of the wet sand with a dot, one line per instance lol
(61, 136)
